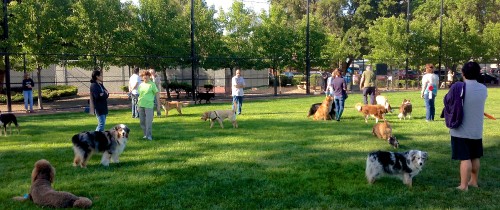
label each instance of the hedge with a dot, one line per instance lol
(49, 93)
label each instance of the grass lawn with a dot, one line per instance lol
(276, 159)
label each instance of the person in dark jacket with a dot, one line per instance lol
(28, 85)
(99, 98)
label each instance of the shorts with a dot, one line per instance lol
(466, 149)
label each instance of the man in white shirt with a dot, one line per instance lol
(237, 84)
(133, 84)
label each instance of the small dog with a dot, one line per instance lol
(384, 131)
(205, 96)
(403, 165)
(376, 111)
(169, 105)
(7, 119)
(111, 143)
(405, 109)
(42, 193)
(315, 107)
(382, 100)
(220, 115)
(322, 113)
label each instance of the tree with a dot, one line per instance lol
(388, 40)
(491, 37)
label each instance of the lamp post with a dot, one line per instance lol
(193, 54)
(407, 42)
(308, 58)
(440, 39)
(5, 27)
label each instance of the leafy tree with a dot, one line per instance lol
(388, 39)
(491, 37)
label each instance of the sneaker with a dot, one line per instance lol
(150, 138)
(32, 111)
(144, 137)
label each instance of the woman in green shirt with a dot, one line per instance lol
(147, 92)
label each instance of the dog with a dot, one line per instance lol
(384, 131)
(322, 113)
(204, 96)
(376, 111)
(111, 143)
(402, 165)
(220, 115)
(169, 105)
(405, 109)
(315, 107)
(42, 193)
(382, 100)
(6, 119)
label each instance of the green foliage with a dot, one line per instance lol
(178, 87)
(49, 93)
(124, 88)
(277, 159)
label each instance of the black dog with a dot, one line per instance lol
(204, 96)
(315, 107)
(8, 119)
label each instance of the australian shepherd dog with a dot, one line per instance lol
(111, 143)
(384, 131)
(7, 119)
(405, 109)
(376, 111)
(402, 165)
(323, 112)
(382, 100)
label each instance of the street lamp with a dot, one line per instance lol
(308, 58)
(440, 39)
(5, 27)
(407, 42)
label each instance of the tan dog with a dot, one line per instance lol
(384, 131)
(220, 115)
(382, 100)
(405, 109)
(376, 111)
(169, 105)
(323, 111)
(41, 192)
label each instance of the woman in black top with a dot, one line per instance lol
(28, 92)
(99, 98)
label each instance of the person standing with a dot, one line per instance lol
(27, 86)
(147, 92)
(157, 80)
(339, 93)
(429, 90)
(237, 84)
(467, 139)
(99, 98)
(133, 84)
(367, 84)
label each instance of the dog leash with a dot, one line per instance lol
(216, 116)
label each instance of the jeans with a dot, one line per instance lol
(369, 91)
(238, 100)
(146, 121)
(430, 109)
(101, 122)
(339, 106)
(28, 98)
(135, 112)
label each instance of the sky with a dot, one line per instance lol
(255, 5)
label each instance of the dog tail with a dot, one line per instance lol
(358, 107)
(22, 198)
(82, 202)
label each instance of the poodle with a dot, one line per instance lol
(41, 192)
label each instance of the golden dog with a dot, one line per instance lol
(42, 193)
(169, 105)
(384, 131)
(220, 115)
(376, 111)
(323, 111)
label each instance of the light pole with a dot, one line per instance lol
(407, 42)
(193, 53)
(440, 40)
(5, 37)
(308, 58)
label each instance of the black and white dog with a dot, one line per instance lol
(403, 165)
(6, 119)
(314, 108)
(111, 143)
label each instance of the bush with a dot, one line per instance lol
(124, 88)
(49, 93)
(178, 87)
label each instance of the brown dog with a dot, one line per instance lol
(384, 131)
(41, 192)
(405, 109)
(376, 111)
(169, 105)
(220, 115)
(323, 112)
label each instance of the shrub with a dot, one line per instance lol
(49, 93)
(124, 88)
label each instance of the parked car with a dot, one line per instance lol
(488, 79)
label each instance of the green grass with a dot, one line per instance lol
(277, 159)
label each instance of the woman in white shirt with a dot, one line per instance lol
(430, 83)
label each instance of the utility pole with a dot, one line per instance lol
(407, 42)
(308, 58)
(5, 27)
(193, 53)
